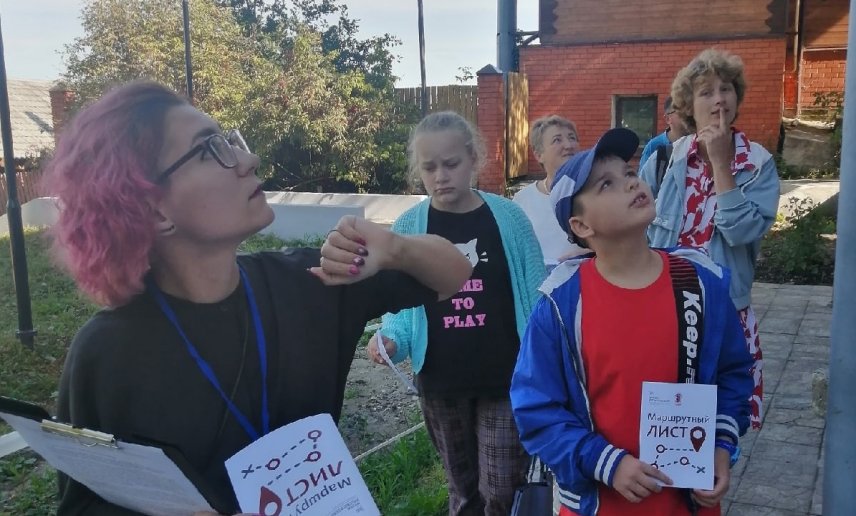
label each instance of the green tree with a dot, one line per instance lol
(372, 56)
(466, 74)
(280, 24)
(313, 124)
(126, 40)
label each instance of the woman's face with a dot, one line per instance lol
(207, 203)
(711, 95)
(445, 166)
(558, 145)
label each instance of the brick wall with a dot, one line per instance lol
(578, 82)
(491, 118)
(821, 71)
(565, 22)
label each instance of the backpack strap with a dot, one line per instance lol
(664, 155)
(689, 304)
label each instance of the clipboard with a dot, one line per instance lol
(83, 436)
(22, 411)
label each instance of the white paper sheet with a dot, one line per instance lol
(401, 376)
(140, 478)
(677, 432)
(302, 468)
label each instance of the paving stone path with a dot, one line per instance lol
(780, 472)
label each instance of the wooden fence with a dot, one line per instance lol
(517, 126)
(28, 187)
(461, 99)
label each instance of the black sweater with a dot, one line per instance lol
(129, 373)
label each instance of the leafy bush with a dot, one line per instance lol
(270, 242)
(797, 251)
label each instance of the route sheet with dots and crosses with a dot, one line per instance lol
(301, 468)
(677, 432)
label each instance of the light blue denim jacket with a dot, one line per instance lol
(743, 215)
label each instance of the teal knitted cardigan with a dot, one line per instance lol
(409, 327)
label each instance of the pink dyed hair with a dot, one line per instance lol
(101, 174)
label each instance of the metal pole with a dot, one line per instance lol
(187, 65)
(25, 331)
(839, 497)
(422, 59)
(506, 32)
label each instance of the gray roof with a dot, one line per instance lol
(32, 121)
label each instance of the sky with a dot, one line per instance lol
(458, 33)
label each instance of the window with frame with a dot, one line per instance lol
(637, 113)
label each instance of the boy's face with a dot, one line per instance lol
(614, 202)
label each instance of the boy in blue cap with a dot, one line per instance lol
(608, 322)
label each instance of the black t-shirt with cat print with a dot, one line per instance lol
(472, 337)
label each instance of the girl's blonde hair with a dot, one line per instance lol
(711, 62)
(446, 121)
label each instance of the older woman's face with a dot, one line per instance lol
(558, 145)
(711, 95)
(206, 202)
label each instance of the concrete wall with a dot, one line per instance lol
(379, 208)
(298, 214)
(36, 213)
(306, 221)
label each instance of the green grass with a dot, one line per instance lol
(26, 486)
(406, 479)
(34, 494)
(58, 311)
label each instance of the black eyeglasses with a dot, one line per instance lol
(222, 148)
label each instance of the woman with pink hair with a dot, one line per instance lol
(199, 348)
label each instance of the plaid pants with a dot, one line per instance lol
(481, 451)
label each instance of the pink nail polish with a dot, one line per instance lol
(361, 241)
(354, 270)
(359, 261)
(362, 251)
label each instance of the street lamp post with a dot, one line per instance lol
(25, 331)
(422, 59)
(187, 64)
(839, 497)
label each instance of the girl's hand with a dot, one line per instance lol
(355, 250)
(373, 351)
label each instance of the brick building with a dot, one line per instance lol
(609, 63)
(816, 53)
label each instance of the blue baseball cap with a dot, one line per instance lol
(575, 172)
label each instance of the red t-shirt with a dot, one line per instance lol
(628, 337)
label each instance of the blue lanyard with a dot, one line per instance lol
(209, 373)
